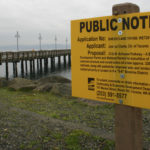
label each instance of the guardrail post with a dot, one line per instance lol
(128, 120)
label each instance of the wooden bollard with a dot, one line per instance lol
(128, 120)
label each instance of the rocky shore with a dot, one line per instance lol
(55, 84)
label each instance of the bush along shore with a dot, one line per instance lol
(42, 115)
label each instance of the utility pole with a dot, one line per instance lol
(55, 42)
(66, 42)
(40, 39)
(17, 36)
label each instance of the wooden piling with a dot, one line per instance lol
(26, 66)
(69, 59)
(16, 70)
(37, 63)
(46, 65)
(7, 70)
(31, 70)
(22, 68)
(64, 60)
(40, 65)
(0, 58)
(52, 63)
(59, 61)
(33, 64)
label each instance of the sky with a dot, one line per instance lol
(50, 18)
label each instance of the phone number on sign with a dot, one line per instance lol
(111, 94)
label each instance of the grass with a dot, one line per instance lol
(74, 110)
(21, 128)
(78, 140)
(29, 132)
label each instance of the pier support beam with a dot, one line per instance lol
(16, 70)
(7, 74)
(40, 65)
(46, 65)
(59, 61)
(37, 63)
(64, 60)
(52, 63)
(26, 66)
(22, 68)
(69, 59)
(0, 58)
(31, 67)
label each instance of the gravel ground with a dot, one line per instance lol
(43, 121)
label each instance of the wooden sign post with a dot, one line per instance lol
(128, 120)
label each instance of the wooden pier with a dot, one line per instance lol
(31, 56)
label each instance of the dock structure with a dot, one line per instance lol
(25, 57)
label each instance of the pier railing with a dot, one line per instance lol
(29, 55)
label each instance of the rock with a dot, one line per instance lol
(3, 82)
(44, 87)
(53, 79)
(55, 84)
(62, 89)
(21, 84)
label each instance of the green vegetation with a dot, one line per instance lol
(78, 140)
(74, 110)
(43, 121)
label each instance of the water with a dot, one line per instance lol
(61, 71)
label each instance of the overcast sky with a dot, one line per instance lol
(50, 17)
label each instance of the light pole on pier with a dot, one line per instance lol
(66, 43)
(17, 36)
(55, 42)
(40, 39)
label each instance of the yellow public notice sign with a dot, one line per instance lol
(111, 59)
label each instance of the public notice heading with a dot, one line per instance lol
(111, 59)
